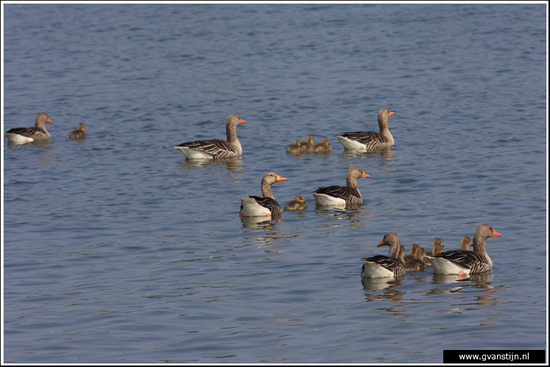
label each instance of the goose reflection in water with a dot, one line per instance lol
(358, 217)
(264, 234)
(386, 153)
(232, 164)
(388, 285)
(260, 222)
(473, 281)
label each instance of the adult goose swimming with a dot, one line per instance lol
(341, 195)
(464, 262)
(215, 148)
(369, 140)
(381, 266)
(266, 206)
(23, 135)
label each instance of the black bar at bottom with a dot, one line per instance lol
(494, 356)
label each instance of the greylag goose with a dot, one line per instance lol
(410, 263)
(23, 135)
(381, 266)
(464, 262)
(79, 133)
(465, 242)
(437, 247)
(308, 144)
(266, 206)
(322, 147)
(412, 251)
(208, 149)
(342, 195)
(299, 203)
(420, 255)
(368, 140)
(295, 148)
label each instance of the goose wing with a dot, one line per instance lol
(216, 147)
(269, 203)
(27, 132)
(342, 192)
(463, 258)
(389, 263)
(366, 137)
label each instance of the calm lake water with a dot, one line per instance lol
(117, 250)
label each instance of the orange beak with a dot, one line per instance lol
(242, 121)
(365, 175)
(381, 243)
(279, 178)
(392, 113)
(50, 121)
(496, 234)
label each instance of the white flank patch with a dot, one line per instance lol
(327, 200)
(373, 270)
(351, 144)
(251, 208)
(18, 139)
(193, 154)
(444, 266)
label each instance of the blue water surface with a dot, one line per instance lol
(117, 250)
